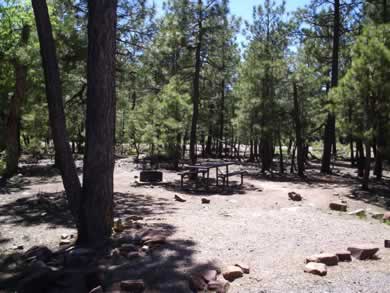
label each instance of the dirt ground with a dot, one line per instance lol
(256, 224)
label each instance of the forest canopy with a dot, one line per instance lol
(310, 83)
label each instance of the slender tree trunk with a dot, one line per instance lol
(256, 149)
(97, 204)
(12, 152)
(281, 160)
(266, 154)
(56, 108)
(380, 148)
(326, 155)
(222, 118)
(360, 157)
(202, 141)
(209, 142)
(195, 85)
(352, 152)
(251, 151)
(292, 167)
(184, 146)
(290, 142)
(298, 132)
(352, 157)
(330, 133)
(367, 165)
(177, 151)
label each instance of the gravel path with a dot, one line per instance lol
(261, 228)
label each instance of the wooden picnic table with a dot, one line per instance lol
(205, 168)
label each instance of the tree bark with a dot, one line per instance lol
(209, 143)
(298, 132)
(360, 157)
(330, 133)
(266, 155)
(195, 85)
(97, 203)
(12, 152)
(281, 160)
(367, 165)
(352, 157)
(221, 117)
(292, 167)
(56, 108)
(380, 146)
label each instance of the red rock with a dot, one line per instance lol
(316, 268)
(127, 247)
(98, 289)
(231, 273)
(244, 267)
(115, 252)
(294, 196)
(205, 200)
(363, 252)
(133, 286)
(145, 248)
(133, 254)
(38, 252)
(336, 206)
(180, 198)
(154, 238)
(209, 275)
(344, 255)
(65, 242)
(220, 286)
(134, 218)
(197, 283)
(386, 216)
(64, 236)
(325, 258)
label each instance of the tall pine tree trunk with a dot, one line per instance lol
(281, 159)
(330, 127)
(56, 108)
(367, 165)
(195, 85)
(360, 157)
(351, 149)
(12, 140)
(97, 203)
(298, 132)
(222, 118)
(380, 146)
(12, 152)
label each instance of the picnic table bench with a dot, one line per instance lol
(189, 173)
(225, 176)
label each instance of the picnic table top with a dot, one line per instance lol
(210, 165)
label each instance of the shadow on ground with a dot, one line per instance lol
(190, 188)
(165, 267)
(42, 208)
(52, 208)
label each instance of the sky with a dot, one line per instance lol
(243, 8)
